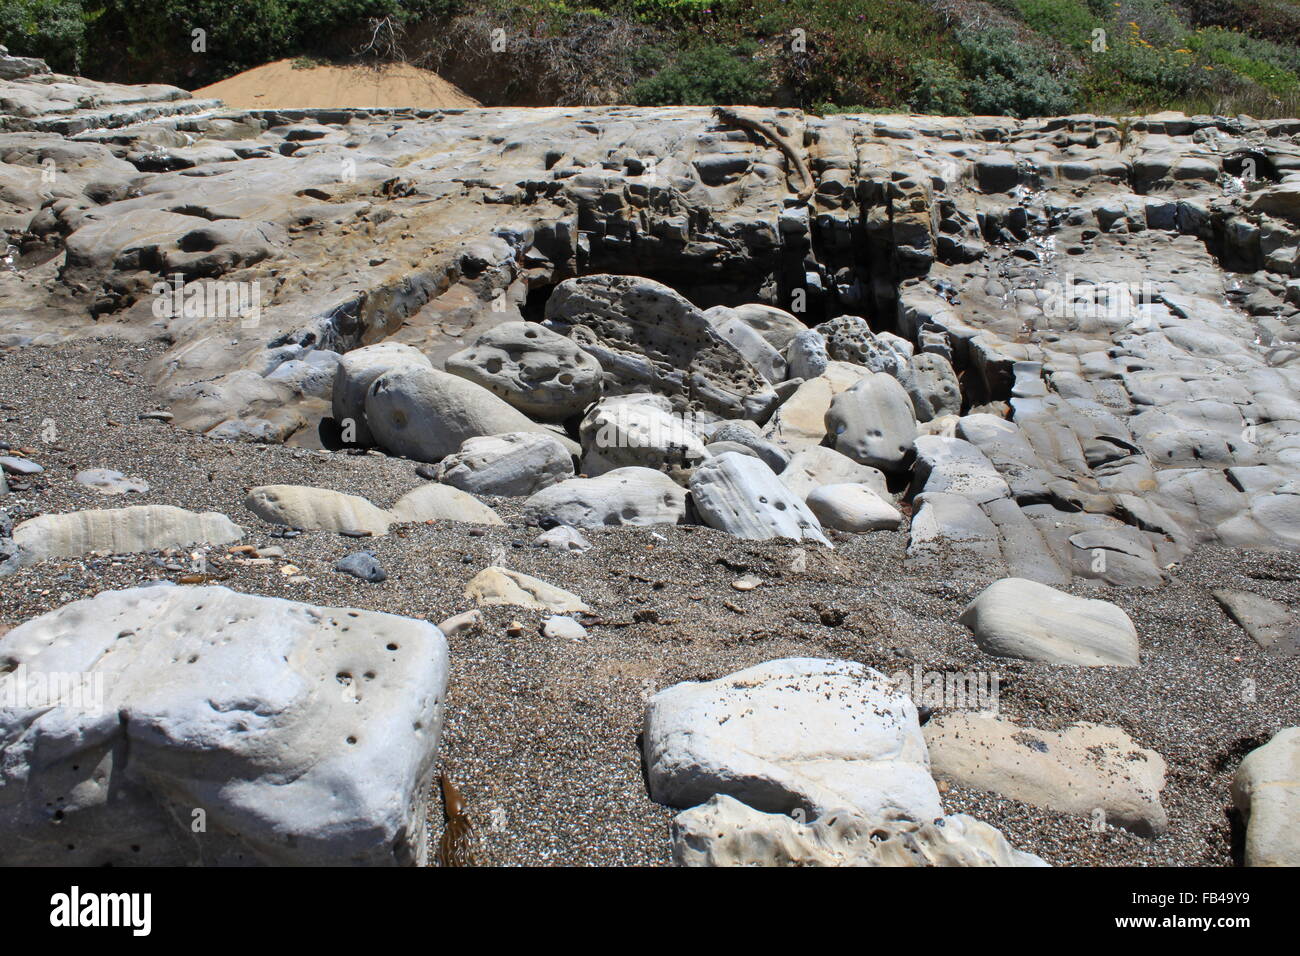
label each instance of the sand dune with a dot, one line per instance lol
(279, 85)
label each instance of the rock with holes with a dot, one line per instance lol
(648, 338)
(726, 832)
(426, 415)
(435, 502)
(316, 509)
(872, 422)
(1085, 769)
(639, 430)
(1023, 619)
(119, 530)
(740, 495)
(852, 507)
(633, 496)
(795, 734)
(806, 355)
(355, 373)
(301, 735)
(849, 339)
(932, 386)
(1266, 790)
(516, 463)
(749, 342)
(543, 374)
(502, 586)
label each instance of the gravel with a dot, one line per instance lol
(541, 733)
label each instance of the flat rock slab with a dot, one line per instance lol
(795, 734)
(121, 531)
(316, 509)
(502, 586)
(1086, 769)
(726, 832)
(1269, 623)
(109, 482)
(1266, 789)
(1023, 619)
(213, 727)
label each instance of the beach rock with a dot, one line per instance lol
(955, 467)
(426, 415)
(1269, 623)
(543, 374)
(291, 734)
(434, 502)
(356, 372)
(498, 585)
(734, 433)
(932, 385)
(746, 340)
(740, 495)
(638, 430)
(726, 832)
(121, 531)
(312, 376)
(872, 422)
(19, 466)
(648, 338)
(1085, 769)
(109, 482)
(1031, 621)
(807, 356)
(817, 466)
(363, 565)
(316, 509)
(852, 507)
(800, 422)
(1266, 791)
(564, 628)
(563, 538)
(513, 464)
(631, 496)
(800, 733)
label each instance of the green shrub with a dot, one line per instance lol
(1010, 78)
(940, 89)
(54, 30)
(1069, 22)
(706, 76)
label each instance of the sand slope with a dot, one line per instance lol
(279, 86)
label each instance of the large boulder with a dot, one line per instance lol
(316, 509)
(795, 734)
(852, 507)
(436, 502)
(872, 422)
(725, 832)
(631, 496)
(542, 373)
(818, 465)
(740, 495)
(932, 385)
(427, 415)
(120, 530)
(638, 430)
(777, 326)
(1266, 791)
(212, 727)
(1023, 619)
(356, 372)
(649, 338)
(516, 463)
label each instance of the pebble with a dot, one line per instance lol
(563, 627)
(363, 565)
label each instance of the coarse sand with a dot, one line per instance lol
(281, 85)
